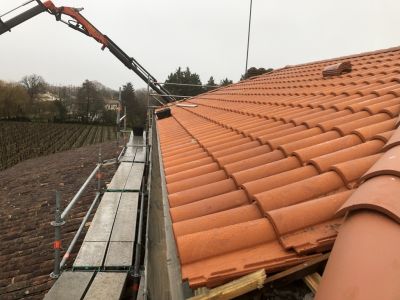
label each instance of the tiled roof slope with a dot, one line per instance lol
(27, 208)
(257, 171)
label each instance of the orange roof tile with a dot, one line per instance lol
(257, 171)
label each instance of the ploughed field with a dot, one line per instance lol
(24, 140)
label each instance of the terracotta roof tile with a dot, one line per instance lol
(217, 220)
(308, 142)
(325, 162)
(250, 152)
(387, 165)
(352, 170)
(284, 178)
(209, 206)
(266, 170)
(188, 166)
(331, 146)
(204, 169)
(318, 210)
(247, 163)
(257, 170)
(300, 191)
(196, 181)
(367, 132)
(202, 192)
(384, 137)
(362, 259)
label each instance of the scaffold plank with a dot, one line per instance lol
(119, 254)
(137, 140)
(91, 255)
(102, 224)
(134, 180)
(70, 286)
(119, 180)
(106, 286)
(130, 153)
(125, 222)
(140, 154)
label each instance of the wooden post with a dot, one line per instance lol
(312, 281)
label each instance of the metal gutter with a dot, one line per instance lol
(164, 279)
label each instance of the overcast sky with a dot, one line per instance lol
(209, 36)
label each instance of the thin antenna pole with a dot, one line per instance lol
(248, 36)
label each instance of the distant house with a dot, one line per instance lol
(47, 97)
(111, 104)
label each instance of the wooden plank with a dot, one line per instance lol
(313, 281)
(107, 286)
(235, 288)
(134, 180)
(102, 224)
(70, 286)
(91, 255)
(200, 291)
(119, 254)
(297, 272)
(124, 229)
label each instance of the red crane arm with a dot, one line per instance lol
(82, 24)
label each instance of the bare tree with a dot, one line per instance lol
(34, 85)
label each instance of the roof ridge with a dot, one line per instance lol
(391, 49)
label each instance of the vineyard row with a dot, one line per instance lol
(20, 141)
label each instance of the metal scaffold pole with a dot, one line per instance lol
(57, 223)
(119, 115)
(125, 118)
(100, 163)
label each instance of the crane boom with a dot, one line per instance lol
(81, 24)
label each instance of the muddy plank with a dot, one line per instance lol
(70, 286)
(125, 222)
(119, 254)
(102, 224)
(106, 286)
(135, 177)
(91, 255)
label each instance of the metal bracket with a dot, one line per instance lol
(54, 276)
(56, 224)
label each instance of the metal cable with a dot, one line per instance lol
(26, 3)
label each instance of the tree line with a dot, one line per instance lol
(33, 99)
(190, 84)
